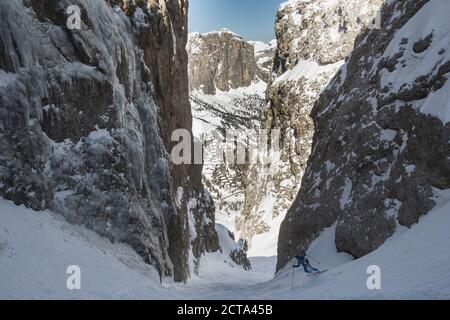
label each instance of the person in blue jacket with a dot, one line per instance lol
(303, 261)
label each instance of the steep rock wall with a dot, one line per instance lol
(381, 147)
(86, 118)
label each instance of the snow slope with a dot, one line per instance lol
(415, 264)
(431, 20)
(37, 247)
(265, 244)
(308, 70)
(225, 103)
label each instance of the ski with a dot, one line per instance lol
(317, 273)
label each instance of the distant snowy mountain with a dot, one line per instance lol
(227, 92)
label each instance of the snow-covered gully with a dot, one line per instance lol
(37, 248)
(321, 158)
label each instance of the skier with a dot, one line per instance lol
(303, 261)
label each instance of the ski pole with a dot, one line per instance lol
(314, 260)
(292, 278)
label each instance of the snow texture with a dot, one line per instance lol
(36, 249)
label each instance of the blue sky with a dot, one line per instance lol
(252, 19)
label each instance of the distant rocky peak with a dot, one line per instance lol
(223, 60)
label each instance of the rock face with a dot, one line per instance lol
(381, 147)
(220, 60)
(86, 117)
(264, 55)
(314, 37)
